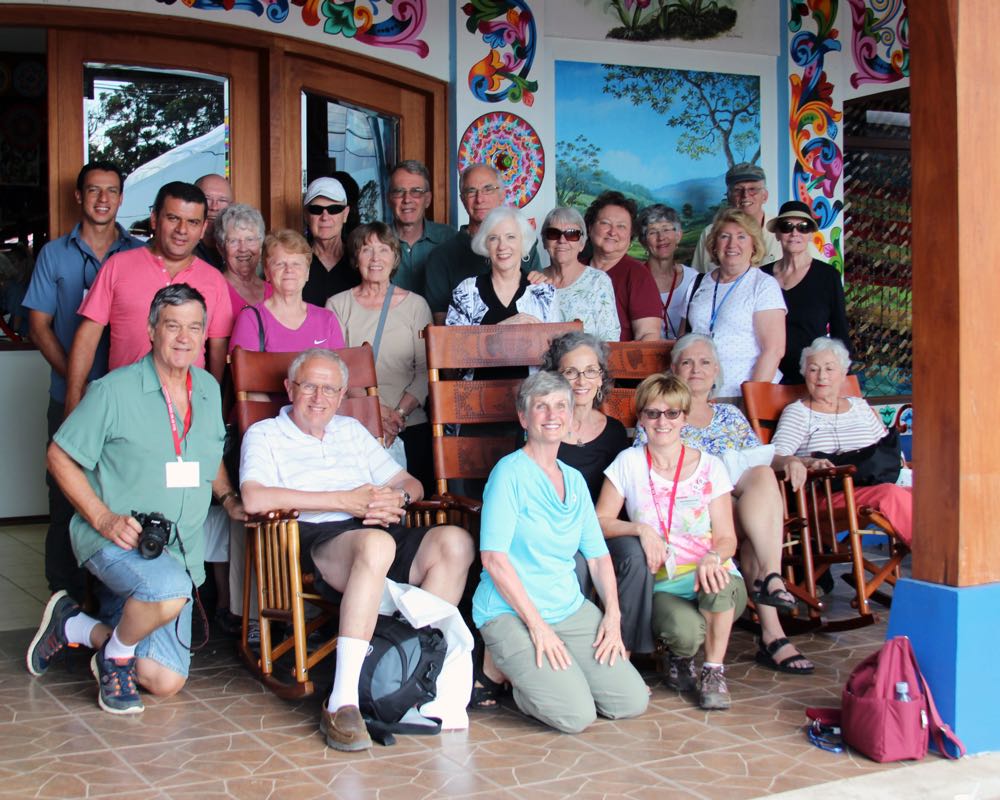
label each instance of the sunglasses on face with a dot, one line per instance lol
(653, 414)
(787, 226)
(554, 234)
(316, 210)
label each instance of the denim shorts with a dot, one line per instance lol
(126, 574)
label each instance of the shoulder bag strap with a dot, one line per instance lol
(694, 290)
(939, 729)
(381, 321)
(260, 325)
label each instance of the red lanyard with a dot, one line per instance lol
(664, 529)
(173, 422)
(666, 306)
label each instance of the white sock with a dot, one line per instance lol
(115, 648)
(711, 665)
(350, 658)
(77, 629)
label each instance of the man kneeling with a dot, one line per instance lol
(351, 496)
(146, 438)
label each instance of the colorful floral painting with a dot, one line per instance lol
(508, 28)
(819, 162)
(510, 145)
(881, 41)
(379, 23)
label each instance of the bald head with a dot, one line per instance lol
(219, 194)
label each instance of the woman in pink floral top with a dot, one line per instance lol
(678, 504)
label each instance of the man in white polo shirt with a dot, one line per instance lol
(351, 496)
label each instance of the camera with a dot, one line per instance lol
(155, 533)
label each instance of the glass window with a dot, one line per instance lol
(158, 125)
(353, 144)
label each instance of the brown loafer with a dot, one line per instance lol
(344, 729)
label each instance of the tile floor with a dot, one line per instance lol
(225, 737)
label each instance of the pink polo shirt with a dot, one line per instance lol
(124, 289)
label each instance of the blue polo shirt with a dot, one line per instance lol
(66, 268)
(410, 273)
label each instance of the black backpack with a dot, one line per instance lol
(399, 672)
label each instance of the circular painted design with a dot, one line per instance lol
(510, 145)
(29, 79)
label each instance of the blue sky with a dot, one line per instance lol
(635, 142)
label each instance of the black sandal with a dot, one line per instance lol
(765, 657)
(486, 692)
(762, 597)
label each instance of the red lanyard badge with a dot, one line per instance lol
(664, 529)
(173, 422)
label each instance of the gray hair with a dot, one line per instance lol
(317, 352)
(685, 342)
(566, 214)
(567, 343)
(177, 294)
(539, 385)
(657, 212)
(468, 169)
(414, 167)
(494, 218)
(237, 215)
(821, 344)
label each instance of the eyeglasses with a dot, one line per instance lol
(416, 193)
(325, 388)
(572, 373)
(655, 413)
(667, 230)
(317, 210)
(787, 226)
(486, 190)
(749, 191)
(247, 241)
(554, 234)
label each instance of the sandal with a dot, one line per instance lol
(779, 598)
(486, 692)
(765, 657)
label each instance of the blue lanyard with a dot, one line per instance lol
(725, 297)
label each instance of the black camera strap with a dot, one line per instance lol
(196, 599)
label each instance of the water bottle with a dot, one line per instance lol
(903, 692)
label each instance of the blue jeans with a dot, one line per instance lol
(126, 574)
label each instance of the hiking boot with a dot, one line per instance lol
(344, 729)
(51, 635)
(713, 693)
(681, 674)
(117, 692)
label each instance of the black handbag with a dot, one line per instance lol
(877, 463)
(231, 446)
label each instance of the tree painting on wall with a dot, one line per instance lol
(657, 135)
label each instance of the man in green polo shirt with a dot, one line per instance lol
(410, 197)
(146, 438)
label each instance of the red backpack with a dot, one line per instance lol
(874, 722)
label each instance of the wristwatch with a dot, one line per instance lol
(406, 497)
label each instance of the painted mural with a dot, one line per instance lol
(508, 29)
(511, 146)
(379, 23)
(657, 135)
(813, 121)
(643, 21)
(880, 41)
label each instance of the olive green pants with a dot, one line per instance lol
(569, 700)
(679, 621)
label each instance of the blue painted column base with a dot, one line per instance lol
(956, 636)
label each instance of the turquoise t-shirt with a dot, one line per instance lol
(120, 435)
(540, 533)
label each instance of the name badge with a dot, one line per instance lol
(183, 475)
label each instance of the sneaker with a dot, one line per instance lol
(51, 635)
(253, 633)
(344, 729)
(117, 692)
(713, 692)
(681, 674)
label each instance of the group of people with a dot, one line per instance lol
(137, 335)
